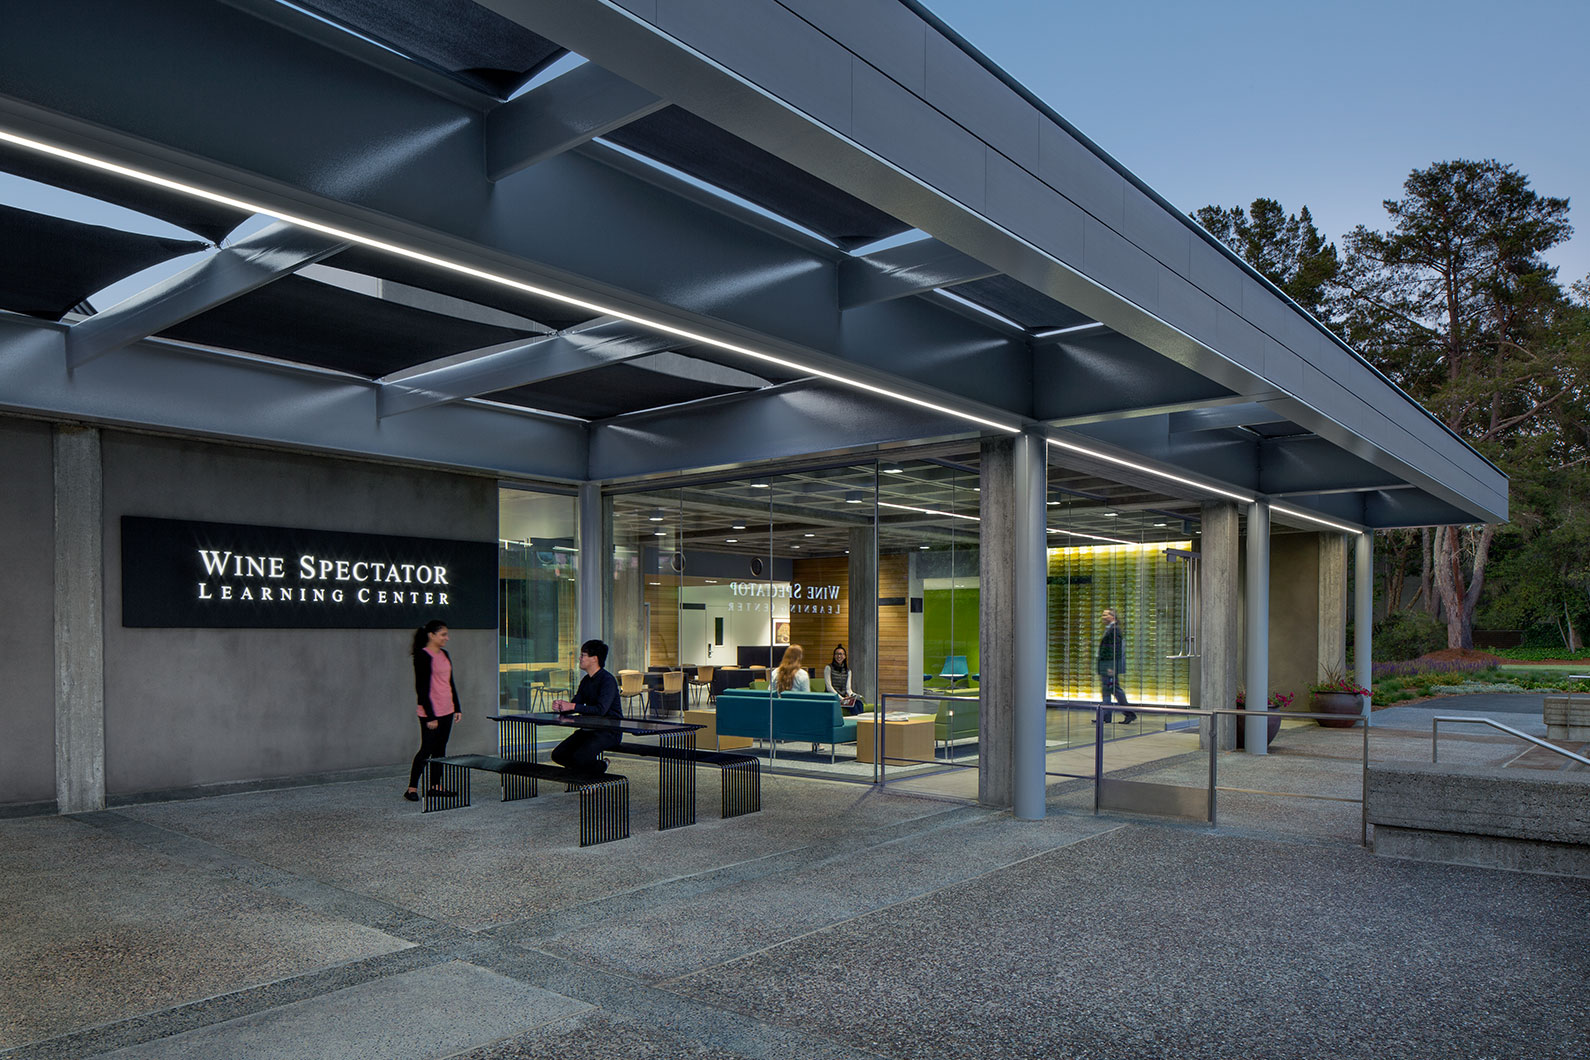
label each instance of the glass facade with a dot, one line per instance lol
(538, 579)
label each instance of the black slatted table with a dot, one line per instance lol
(676, 790)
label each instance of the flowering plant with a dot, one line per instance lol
(1277, 700)
(1336, 681)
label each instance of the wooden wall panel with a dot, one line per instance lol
(893, 625)
(818, 633)
(664, 601)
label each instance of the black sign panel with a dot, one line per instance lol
(222, 575)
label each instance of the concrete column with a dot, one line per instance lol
(863, 614)
(79, 621)
(1332, 653)
(1013, 643)
(914, 628)
(1258, 624)
(593, 563)
(1364, 611)
(1217, 616)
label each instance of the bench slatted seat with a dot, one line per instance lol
(741, 774)
(604, 797)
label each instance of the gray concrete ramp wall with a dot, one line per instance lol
(27, 587)
(1521, 819)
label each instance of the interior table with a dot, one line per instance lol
(907, 738)
(676, 789)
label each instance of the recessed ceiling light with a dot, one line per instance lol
(654, 583)
(808, 535)
(737, 526)
(731, 541)
(759, 485)
(1111, 515)
(1159, 524)
(853, 497)
(712, 581)
(659, 533)
(1053, 503)
(794, 546)
(656, 516)
(894, 471)
(923, 547)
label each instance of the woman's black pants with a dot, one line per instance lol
(433, 744)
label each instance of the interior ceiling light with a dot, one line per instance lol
(656, 516)
(731, 541)
(808, 535)
(737, 526)
(1295, 514)
(247, 207)
(853, 497)
(922, 546)
(1095, 454)
(1111, 515)
(928, 511)
(1159, 524)
(659, 533)
(1091, 537)
(894, 471)
(794, 546)
(759, 485)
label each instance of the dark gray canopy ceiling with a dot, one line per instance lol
(715, 241)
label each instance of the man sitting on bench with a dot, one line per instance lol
(598, 695)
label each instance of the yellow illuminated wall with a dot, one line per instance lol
(1147, 590)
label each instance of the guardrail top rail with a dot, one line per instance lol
(1435, 737)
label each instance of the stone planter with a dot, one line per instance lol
(1348, 704)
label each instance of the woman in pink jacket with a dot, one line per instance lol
(438, 704)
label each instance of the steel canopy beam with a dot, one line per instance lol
(514, 364)
(567, 111)
(232, 271)
(906, 270)
(1240, 414)
(160, 385)
(793, 420)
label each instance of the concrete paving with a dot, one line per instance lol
(841, 922)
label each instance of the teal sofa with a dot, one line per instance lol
(808, 717)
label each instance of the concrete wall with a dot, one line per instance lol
(27, 587)
(1527, 820)
(1294, 614)
(187, 707)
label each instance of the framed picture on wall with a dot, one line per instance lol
(780, 632)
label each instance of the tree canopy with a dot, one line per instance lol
(1456, 303)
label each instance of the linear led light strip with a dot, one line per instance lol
(978, 519)
(491, 277)
(1293, 512)
(1058, 444)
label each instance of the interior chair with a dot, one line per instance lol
(703, 679)
(631, 685)
(673, 684)
(955, 669)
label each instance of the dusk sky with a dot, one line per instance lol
(1325, 105)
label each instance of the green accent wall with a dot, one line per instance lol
(950, 620)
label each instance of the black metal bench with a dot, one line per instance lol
(604, 797)
(741, 775)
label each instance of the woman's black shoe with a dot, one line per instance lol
(412, 796)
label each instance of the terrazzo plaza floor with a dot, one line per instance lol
(842, 921)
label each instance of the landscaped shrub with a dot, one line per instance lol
(1408, 635)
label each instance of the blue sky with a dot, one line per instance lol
(1327, 104)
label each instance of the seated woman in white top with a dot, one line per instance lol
(837, 675)
(791, 675)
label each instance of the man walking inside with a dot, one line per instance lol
(1111, 665)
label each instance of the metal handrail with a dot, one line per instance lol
(1435, 737)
